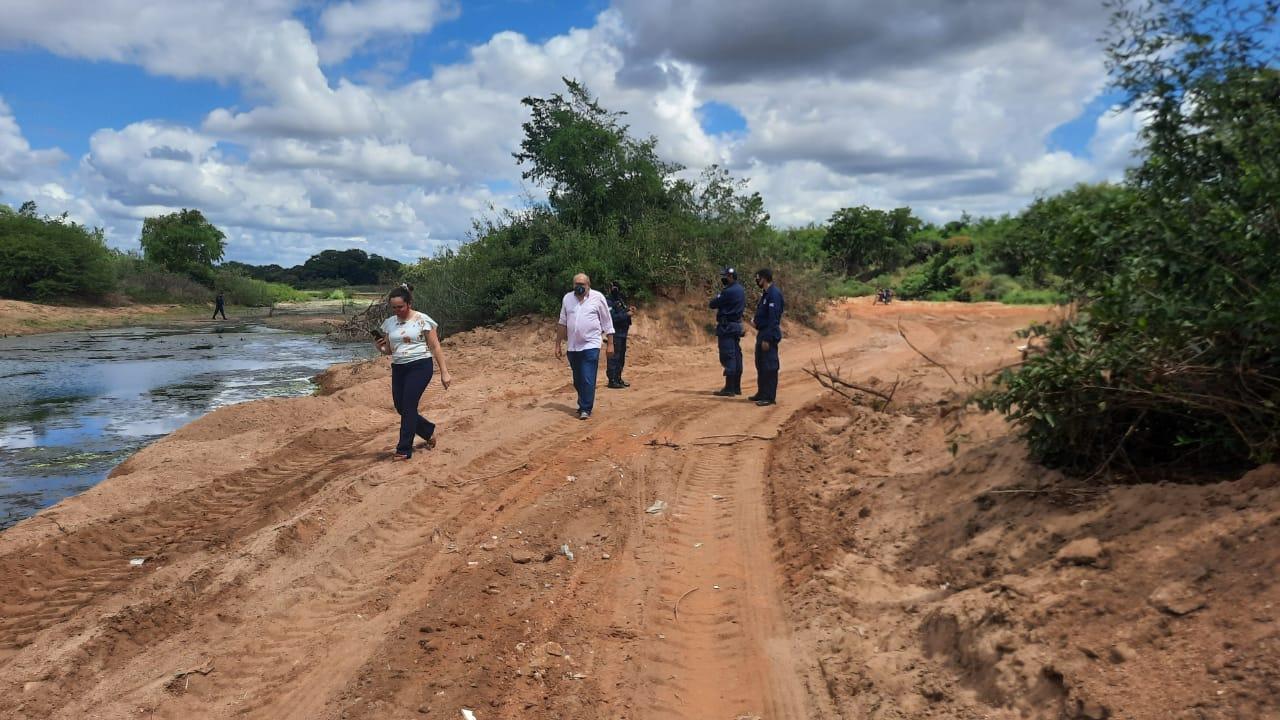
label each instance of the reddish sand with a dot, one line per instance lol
(816, 559)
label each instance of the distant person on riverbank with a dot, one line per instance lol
(219, 306)
(768, 324)
(585, 322)
(621, 314)
(410, 338)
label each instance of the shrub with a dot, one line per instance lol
(1174, 358)
(241, 290)
(146, 282)
(1033, 297)
(51, 258)
(852, 287)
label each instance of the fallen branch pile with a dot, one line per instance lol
(833, 381)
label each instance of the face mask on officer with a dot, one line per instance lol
(726, 280)
(579, 289)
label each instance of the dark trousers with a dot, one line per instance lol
(767, 366)
(217, 310)
(585, 365)
(618, 360)
(408, 382)
(730, 347)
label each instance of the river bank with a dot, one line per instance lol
(77, 403)
(19, 318)
(816, 558)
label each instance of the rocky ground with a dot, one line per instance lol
(679, 555)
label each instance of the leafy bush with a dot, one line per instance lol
(852, 287)
(1174, 358)
(339, 294)
(1033, 297)
(51, 258)
(241, 290)
(145, 282)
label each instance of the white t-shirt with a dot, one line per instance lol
(409, 338)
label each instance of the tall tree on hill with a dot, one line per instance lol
(596, 173)
(183, 242)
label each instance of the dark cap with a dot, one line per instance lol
(726, 270)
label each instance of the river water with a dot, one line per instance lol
(74, 405)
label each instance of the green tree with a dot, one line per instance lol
(1175, 355)
(862, 239)
(183, 242)
(595, 172)
(51, 258)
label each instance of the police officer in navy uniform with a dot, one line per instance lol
(621, 315)
(729, 305)
(768, 324)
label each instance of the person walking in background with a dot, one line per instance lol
(219, 306)
(585, 322)
(410, 338)
(729, 304)
(768, 324)
(620, 312)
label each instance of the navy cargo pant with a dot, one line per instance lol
(618, 360)
(408, 382)
(730, 347)
(767, 366)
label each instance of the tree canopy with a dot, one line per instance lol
(595, 172)
(183, 242)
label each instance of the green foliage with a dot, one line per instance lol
(327, 269)
(183, 242)
(852, 287)
(597, 175)
(241, 290)
(614, 214)
(338, 294)
(51, 258)
(863, 239)
(146, 282)
(1175, 356)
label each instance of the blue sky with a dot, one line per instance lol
(297, 125)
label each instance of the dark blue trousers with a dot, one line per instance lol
(618, 360)
(585, 365)
(767, 366)
(408, 382)
(730, 347)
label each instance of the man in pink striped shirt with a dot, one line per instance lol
(585, 322)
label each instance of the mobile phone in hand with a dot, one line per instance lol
(377, 334)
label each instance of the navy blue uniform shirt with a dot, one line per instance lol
(729, 305)
(621, 316)
(768, 320)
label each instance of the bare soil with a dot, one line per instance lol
(815, 559)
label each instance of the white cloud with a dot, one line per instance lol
(348, 26)
(17, 159)
(314, 160)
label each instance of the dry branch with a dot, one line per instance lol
(920, 352)
(832, 380)
(675, 611)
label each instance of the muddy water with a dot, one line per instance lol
(73, 405)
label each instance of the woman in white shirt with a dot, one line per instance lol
(409, 337)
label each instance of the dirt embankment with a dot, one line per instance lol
(680, 555)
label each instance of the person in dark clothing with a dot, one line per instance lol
(219, 306)
(768, 324)
(621, 314)
(729, 305)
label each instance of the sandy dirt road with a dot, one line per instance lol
(292, 571)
